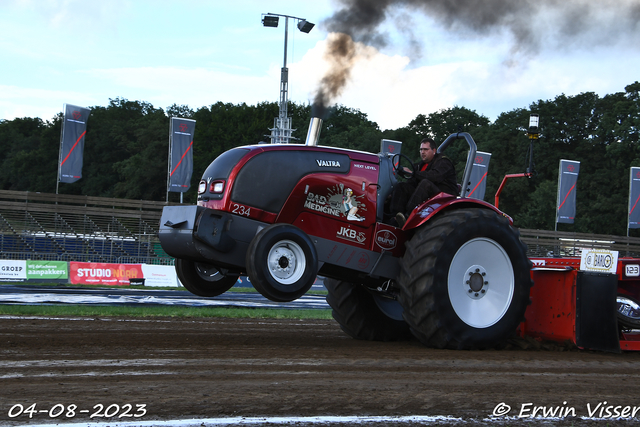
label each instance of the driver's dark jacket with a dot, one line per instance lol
(440, 172)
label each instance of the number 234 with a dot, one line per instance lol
(241, 210)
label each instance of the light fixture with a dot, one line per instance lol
(216, 187)
(270, 20)
(534, 120)
(305, 26)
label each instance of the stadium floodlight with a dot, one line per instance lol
(270, 20)
(534, 121)
(305, 26)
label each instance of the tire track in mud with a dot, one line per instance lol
(209, 368)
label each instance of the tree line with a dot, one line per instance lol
(126, 150)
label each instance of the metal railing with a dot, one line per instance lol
(60, 227)
(543, 243)
(80, 228)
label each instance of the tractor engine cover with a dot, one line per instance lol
(267, 179)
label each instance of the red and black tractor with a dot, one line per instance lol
(456, 275)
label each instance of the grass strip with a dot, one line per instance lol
(161, 311)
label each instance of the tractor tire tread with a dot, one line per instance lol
(423, 309)
(355, 310)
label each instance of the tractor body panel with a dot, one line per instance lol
(330, 194)
(441, 202)
(581, 307)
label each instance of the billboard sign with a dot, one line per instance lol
(95, 273)
(47, 270)
(160, 275)
(11, 270)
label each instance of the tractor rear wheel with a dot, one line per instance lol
(465, 280)
(360, 315)
(203, 280)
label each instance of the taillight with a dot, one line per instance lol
(216, 187)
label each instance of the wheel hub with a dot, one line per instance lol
(282, 262)
(476, 283)
(208, 272)
(286, 262)
(481, 282)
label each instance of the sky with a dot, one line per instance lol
(199, 52)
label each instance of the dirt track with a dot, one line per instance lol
(228, 367)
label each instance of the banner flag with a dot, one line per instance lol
(634, 198)
(479, 175)
(181, 154)
(390, 147)
(74, 129)
(567, 180)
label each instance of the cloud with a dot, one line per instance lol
(73, 15)
(43, 103)
(196, 87)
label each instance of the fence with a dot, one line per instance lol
(43, 226)
(542, 243)
(56, 227)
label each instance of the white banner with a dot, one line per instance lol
(160, 275)
(13, 270)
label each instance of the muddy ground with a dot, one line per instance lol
(207, 368)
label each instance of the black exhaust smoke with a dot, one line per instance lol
(562, 22)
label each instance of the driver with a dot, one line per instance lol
(434, 174)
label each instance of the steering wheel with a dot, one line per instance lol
(397, 170)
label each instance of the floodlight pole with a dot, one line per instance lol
(281, 131)
(283, 122)
(533, 134)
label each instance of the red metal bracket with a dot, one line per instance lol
(504, 181)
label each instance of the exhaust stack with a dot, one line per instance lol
(315, 125)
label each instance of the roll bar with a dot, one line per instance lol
(466, 178)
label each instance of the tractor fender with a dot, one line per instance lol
(443, 202)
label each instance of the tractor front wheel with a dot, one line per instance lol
(282, 262)
(203, 280)
(465, 280)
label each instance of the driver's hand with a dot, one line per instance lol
(406, 169)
